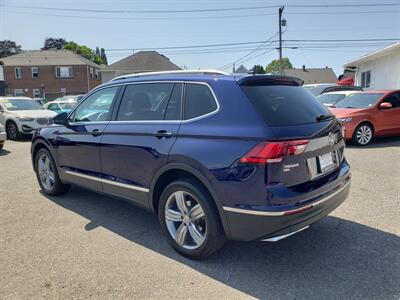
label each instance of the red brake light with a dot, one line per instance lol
(270, 152)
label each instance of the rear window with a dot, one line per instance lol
(285, 105)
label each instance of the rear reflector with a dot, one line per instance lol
(271, 152)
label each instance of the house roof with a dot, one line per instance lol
(313, 75)
(395, 48)
(47, 58)
(143, 61)
(242, 70)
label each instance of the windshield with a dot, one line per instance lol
(316, 90)
(359, 100)
(20, 104)
(69, 105)
(285, 105)
(330, 99)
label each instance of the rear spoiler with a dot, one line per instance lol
(269, 80)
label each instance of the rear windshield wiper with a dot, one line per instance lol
(324, 117)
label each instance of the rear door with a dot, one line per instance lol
(138, 140)
(295, 115)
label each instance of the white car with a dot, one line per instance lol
(3, 136)
(60, 106)
(22, 115)
(330, 99)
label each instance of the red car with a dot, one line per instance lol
(367, 114)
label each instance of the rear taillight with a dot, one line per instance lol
(271, 152)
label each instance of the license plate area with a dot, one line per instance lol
(325, 162)
(322, 164)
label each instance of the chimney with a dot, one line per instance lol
(304, 68)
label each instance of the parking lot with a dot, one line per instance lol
(86, 245)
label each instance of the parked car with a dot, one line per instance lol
(22, 115)
(3, 136)
(41, 101)
(368, 114)
(330, 99)
(321, 88)
(60, 106)
(75, 98)
(215, 156)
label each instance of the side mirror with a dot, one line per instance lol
(385, 105)
(61, 119)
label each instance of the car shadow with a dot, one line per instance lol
(378, 142)
(4, 152)
(335, 258)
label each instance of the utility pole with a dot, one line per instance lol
(280, 39)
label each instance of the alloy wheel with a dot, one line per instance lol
(46, 172)
(12, 131)
(364, 135)
(185, 220)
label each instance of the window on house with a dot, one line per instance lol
(96, 72)
(18, 92)
(35, 72)
(63, 72)
(91, 73)
(366, 79)
(18, 73)
(36, 93)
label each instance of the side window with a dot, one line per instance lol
(145, 101)
(199, 100)
(394, 99)
(174, 107)
(97, 106)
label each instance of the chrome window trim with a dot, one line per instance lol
(281, 213)
(183, 82)
(102, 180)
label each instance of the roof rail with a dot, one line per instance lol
(179, 72)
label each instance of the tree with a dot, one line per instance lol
(274, 66)
(103, 56)
(8, 48)
(53, 43)
(257, 69)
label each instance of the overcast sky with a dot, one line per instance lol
(130, 30)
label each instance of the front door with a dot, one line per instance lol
(138, 140)
(78, 144)
(389, 118)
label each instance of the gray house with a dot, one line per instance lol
(313, 75)
(143, 61)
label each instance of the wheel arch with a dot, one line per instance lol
(37, 144)
(175, 171)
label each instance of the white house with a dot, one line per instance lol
(379, 69)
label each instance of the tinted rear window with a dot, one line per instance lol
(285, 105)
(199, 101)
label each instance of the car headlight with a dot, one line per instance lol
(345, 120)
(25, 119)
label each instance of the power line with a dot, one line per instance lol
(200, 10)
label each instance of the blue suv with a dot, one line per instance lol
(215, 156)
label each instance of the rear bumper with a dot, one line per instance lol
(248, 225)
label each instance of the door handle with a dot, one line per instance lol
(96, 132)
(162, 134)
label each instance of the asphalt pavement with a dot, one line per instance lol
(86, 245)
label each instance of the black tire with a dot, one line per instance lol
(214, 234)
(12, 131)
(58, 188)
(363, 134)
